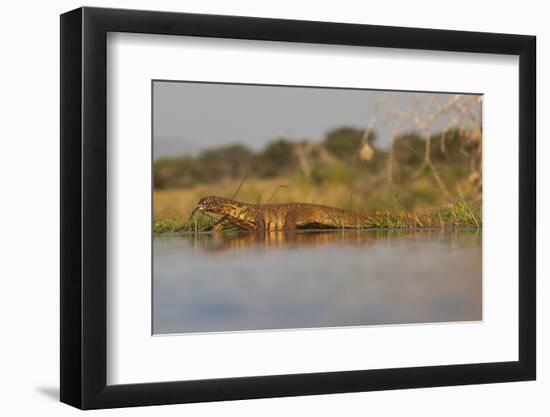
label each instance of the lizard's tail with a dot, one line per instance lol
(350, 219)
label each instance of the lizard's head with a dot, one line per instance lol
(211, 204)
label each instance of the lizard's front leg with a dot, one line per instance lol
(219, 225)
(291, 219)
(224, 221)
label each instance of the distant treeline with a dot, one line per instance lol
(345, 154)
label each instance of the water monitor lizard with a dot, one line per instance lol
(292, 216)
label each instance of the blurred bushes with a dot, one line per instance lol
(278, 158)
(337, 159)
(343, 142)
(226, 161)
(174, 172)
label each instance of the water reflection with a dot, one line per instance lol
(241, 241)
(251, 281)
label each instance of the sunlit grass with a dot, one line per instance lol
(419, 195)
(461, 214)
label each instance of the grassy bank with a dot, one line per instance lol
(418, 195)
(172, 208)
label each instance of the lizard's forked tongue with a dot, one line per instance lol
(193, 212)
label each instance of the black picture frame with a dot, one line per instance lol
(84, 207)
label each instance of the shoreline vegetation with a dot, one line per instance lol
(459, 215)
(435, 177)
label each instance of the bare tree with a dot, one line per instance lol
(457, 112)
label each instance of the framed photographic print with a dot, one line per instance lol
(257, 207)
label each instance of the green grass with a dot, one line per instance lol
(391, 221)
(173, 225)
(461, 214)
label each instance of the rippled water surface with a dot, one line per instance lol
(249, 281)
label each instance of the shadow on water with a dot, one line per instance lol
(212, 282)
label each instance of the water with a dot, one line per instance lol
(249, 281)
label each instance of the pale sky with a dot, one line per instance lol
(189, 117)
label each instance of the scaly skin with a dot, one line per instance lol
(292, 216)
